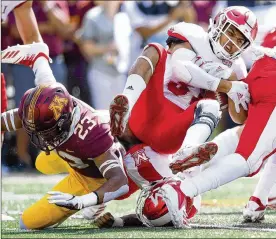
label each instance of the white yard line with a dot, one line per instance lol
(237, 227)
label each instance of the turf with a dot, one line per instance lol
(220, 216)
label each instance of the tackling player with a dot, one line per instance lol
(64, 127)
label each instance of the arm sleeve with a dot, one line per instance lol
(184, 69)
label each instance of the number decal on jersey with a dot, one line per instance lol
(75, 162)
(179, 88)
(79, 130)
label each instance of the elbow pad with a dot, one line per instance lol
(184, 69)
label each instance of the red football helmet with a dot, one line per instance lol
(47, 115)
(242, 19)
(164, 204)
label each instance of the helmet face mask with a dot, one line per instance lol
(222, 32)
(47, 115)
(47, 140)
(239, 18)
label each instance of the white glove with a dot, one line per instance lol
(217, 70)
(239, 94)
(65, 200)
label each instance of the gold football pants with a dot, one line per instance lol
(43, 214)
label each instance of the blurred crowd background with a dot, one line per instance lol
(93, 45)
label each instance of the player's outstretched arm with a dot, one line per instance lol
(26, 23)
(10, 121)
(108, 220)
(115, 185)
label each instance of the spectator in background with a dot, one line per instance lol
(76, 64)
(204, 10)
(150, 21)
(97, 44)
(53, 19)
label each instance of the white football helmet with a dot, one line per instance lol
(163, 204)
(241, 18)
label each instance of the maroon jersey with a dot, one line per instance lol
(91, 137)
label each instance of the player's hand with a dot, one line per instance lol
(105, 221)
(217, 70)
(239, 94)
(65, 200)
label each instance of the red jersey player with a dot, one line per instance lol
(257, 139)
(162, 101)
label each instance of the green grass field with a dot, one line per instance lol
(220, 215)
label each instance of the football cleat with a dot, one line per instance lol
(105, 221)
(254, 210)
(119, 113)
(193, 156)
(25, 54)
(271, 203)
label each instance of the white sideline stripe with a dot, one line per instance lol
(6, 196)
(32, 179)
(238, 227)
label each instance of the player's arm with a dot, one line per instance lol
(108, 220)
(10, 121)
(115, 185)
(26, 23)
(140, 74)
(186, 68)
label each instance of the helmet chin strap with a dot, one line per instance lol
(75, 119)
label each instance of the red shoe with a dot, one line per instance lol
(193, 156)
(25, 54)
(119, 113)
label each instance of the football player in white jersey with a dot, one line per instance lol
(162, 100)
(232, 31)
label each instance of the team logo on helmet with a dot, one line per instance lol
(139, 156)
(57, 106)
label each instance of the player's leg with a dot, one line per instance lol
(207, 116)
(248, 158)
(222, 145)
(51, 164)
(43, 215)
(272, 198)
(35, 56)
(255, 208)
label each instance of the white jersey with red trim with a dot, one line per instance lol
(7, 7)
(178, 92)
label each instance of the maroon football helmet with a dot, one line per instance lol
(47, 115)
